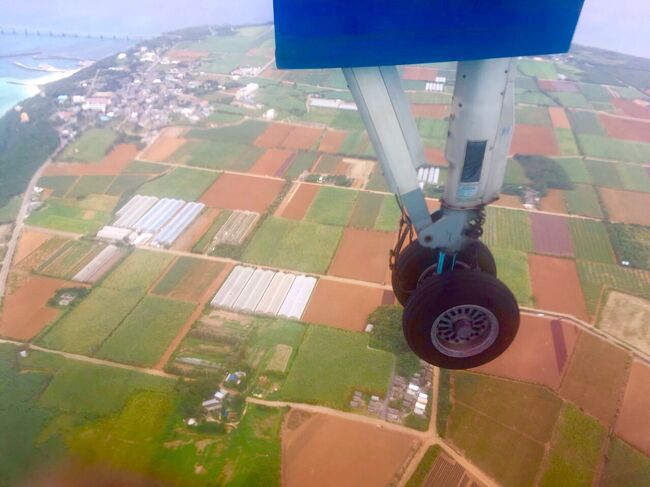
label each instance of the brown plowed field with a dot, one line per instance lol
(553, 202)
(430, 111)
(534, 139)
(363, 255)
(196, 280)
(626, 206)
(420, 74)
(435, 156)
(622, 128)
(196, 230)
(632, 108)
(302, 138)
(551, 234)
(596, 376)
(556, 286)
(559, 118)
(343, 168)
(25, 310)
(167, 143)
(633, 423)
(558, 85)
(111, 165)
(241, 192)
(273, 136)
(342, 305)
(321, 450)
(185, 54)
(508, 201)
(297, 207)
(272, 162)
(29, 241)
(539, 353)
(332, 141)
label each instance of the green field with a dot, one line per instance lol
(91, 146)
(432, 128)
(332, 364)
(241, 134)
(634, 177)
(535, 98)
(201, 272)
(63, 215)
(583, 200)
(141, 167)
(302, 246)
(575, 169)
(327, 164)
(631, 243)
(594, 92)
(212, 154)
(302, 162)
(58, 184)
(389, 215)
(512, 266)
(356, 144)
(615, 149)
(86, 185)
(138, 271)
(203, 244)
(575, 450)
(70, 259)
(507, 229)
(539, 69)
(366, 209)
(625, 466)
(566, 142)
(596, 277)
(424, 467)
(183, 183)
(376, 181)
(591, 241)
(269, 334)
(572, 100)
(515, 174)
(147, 331)
(604, 174)
(126, 183)
(331, 206)
(533, 116)
(585, 122)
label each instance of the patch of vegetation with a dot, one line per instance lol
(444, 402)
(590, 241)
(183, 183)
(575, 170)
(331, 206)
(544, 173)
(631, 243)
(614, 149)
(533, 116)
(302, 162)
(78, 293)
(86, 185)
(203, 244)
(604, 174)
(64, 215)
(625, 466)
(138, 271)
(507, 229)
(141, 167)
(424, 467)
(126, 184)
(583, 200)
(230, 156)
(387, 335)
(58, 184)
(366, 209)
(634, 177)
(513, 271)
(91, 146)
(566, 142)
(585, 122)
(389, 215)
(537, 69)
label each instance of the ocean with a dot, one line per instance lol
(61, 53)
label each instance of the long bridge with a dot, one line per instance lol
(15, 31)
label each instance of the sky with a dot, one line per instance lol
(616, 25)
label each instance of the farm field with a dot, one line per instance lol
(87, 185)
(508, 229)
(67, 216)
(363, 255)
(591, 241)
(605, 148)
(634, 177)
(70, 259)
(58, 184)
(188, 279)
(583, 200)
(90, 147)
(332, 364)
(240, 192)
(111, 164)
(625, 466)
(169, 141)
(625, 317)
(512, 269)
(631, 243)
(182, 183)
(632, 423)
(551, 235)
(626, 206)
(331, 206)
(575, 169)
(566, 142)
(534, 139)
(29, 241)
(300, 201)
(138, 271)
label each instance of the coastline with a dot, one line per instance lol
(21, 89)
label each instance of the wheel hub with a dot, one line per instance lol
(464, 331)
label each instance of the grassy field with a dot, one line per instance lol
(594, 92)
(512, 268)
(575, 170)
(70, 259)
(515, 174)
(241, 134)
(625, 466)
(585, 122)
(507, 229)
(533, 116)
(389, 215)
(144, 335)
(332, 364)
(590, 241)
(91, 146)
(302, 162)
(583, 200)
(575, 450)
(302, 246)
(567, 142)
(604, 174)
(84, 328)
(595, 277)
(572, 100)
(423, 468)
(273, 344)
(539, 69)
(126, 183)
(366, 209)
(193, 276)
(58, 184)
(631, 243)
(138, 271)
(141, 167)
(634, 177)
(229, 156)
(62, 215)
(376, 181)
(86, 185)
(433, 129)
(183, 183)
(615, 149)
(327, 164)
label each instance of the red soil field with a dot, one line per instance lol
(241, 192)
(596, 377)
(551, 234)
(343, 168)
(551, 85)
(185, 54)
(508, 201)
(559, 118)
(626, 206)
(623, 128)
(420, 74)
(273, 136)
(196, 230)
(297, 206)
(164, 146)
(534, 139)
(195, 283)
(25, 312)
(633, 423)
(363, 255)
(332, 140)
(430, 111)
(302, 138)
(539, 354)
(322, 450)
(29, 241)
(435, 156)
(272, 162)
(342, 305)
(111, 165)
(632, 108)
(553, 202)
(556, 286)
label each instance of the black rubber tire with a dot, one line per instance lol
(443, 292)
(415, 259)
